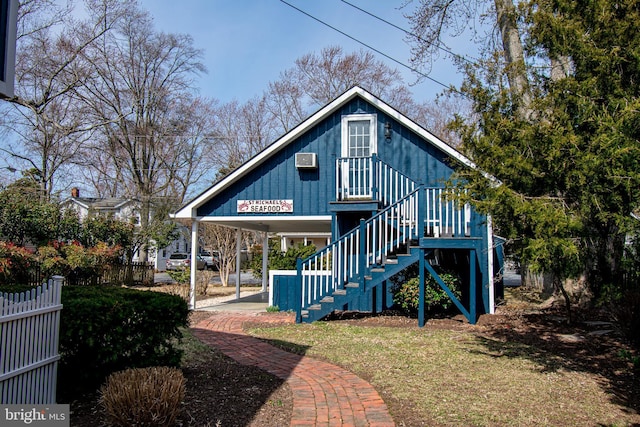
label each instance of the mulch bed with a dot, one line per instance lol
(219, 392)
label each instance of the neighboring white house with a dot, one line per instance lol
(291, 239)
(124, 209)
(120, 208)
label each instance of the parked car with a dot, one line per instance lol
(182, 261)
(211, 258)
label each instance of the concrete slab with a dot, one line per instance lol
(253, 303)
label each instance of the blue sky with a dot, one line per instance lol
(247, 43)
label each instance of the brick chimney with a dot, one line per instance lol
(75, 192)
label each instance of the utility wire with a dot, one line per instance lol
(368, 46)
(438, 45)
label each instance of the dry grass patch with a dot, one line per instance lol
(461, 377)
(207, 287)
(144, 396)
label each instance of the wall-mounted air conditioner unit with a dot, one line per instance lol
(306, 160)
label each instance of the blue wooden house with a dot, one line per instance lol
(375, 180)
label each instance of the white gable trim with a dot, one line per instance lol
(188, 211)
(77, 202)
(123, 203)
(407, 122)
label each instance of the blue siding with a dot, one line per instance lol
(312, 190)
(410, 154)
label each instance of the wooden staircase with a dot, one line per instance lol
(338, 276)
(346, 273)
(347, 297)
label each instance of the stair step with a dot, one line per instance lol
(327, 300)
(377, 270)
(352, 285)
(315, 307)
(340, 292)
(391, 261)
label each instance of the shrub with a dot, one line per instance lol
(15, 262)
(182, 283)
(106, 329)
(143, 397)
(622, 299)
(180, 276)
(279, 260)
(407, 293)
(76, 262)
(623, 303)
(182, 290)
(15, 288)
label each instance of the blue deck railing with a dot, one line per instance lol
(369, 178)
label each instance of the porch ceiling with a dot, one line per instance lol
(319, 224)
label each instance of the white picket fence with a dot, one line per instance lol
(29, 335)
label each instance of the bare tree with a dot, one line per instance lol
(284, 101)
(232, 151)
(99, 173)
(223, 240)
(141, 90)
(317, 79)
(437, 115)
(433, 19)
(241, 132)
(45, 115)
(332, 72)
(257, 130)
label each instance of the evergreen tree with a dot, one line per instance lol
(26, 217)
(566, 178)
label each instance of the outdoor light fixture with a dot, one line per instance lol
(387, 131)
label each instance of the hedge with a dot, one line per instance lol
(106, 329)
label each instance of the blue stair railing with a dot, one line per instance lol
(423, 212)
(352, 256)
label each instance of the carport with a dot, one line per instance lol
(267, 225)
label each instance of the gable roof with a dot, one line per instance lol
(98, 203)
(188, 211)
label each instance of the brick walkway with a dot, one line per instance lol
(323, 394)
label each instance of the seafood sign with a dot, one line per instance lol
(265, 206)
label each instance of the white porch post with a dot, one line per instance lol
(238, 259)
(265, 261)
(194, 263)
(492, 302)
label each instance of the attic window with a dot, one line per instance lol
(359, 135)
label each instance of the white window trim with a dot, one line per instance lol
(373, 127)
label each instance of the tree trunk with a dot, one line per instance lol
(514, 56)
(145, 213)
(560, 68)
(609, 252)
(558, 283)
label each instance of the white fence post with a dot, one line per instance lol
(29, 337)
